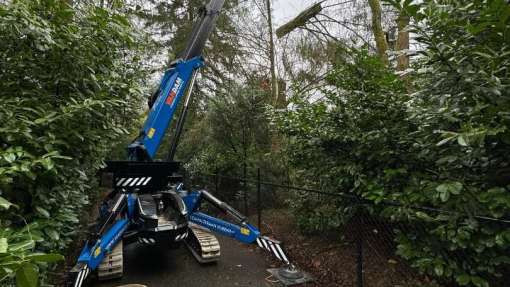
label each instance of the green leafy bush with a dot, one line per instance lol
(353, 139)
(69, 84)
(443, 146)
(462, 104)
(17, 255)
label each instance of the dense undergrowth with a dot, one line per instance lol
(69, 87)
(439, 138)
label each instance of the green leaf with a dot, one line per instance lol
(3, 245)
(439, 269)
(424, 216)
(5, 204)
(53, 234)
(10, 158)
(47, 163)
(444, 141)
(27, 276)
(42, 211)
(444, 196)
(454, 187)
(479, 282)
(463, 279)
(446, 159)
(42, 257)
(462, 141)
(485, 55)
(40, 121)
(25, 245)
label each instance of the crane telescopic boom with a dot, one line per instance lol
(176, 81)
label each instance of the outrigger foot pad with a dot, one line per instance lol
(290, 275)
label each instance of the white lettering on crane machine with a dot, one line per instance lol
(175, 90)
(211, 225)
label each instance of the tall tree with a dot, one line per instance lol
(272, 54)
(379, 36)
(402, 42)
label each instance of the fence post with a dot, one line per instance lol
(216, 182)
(359, 263)
(259, 211)
(245, 191)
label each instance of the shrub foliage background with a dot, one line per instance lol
(69, 87)
(445, 145)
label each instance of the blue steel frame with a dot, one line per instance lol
(246, 233)
(93, 254)
(172, 87)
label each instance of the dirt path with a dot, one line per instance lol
(161, 267)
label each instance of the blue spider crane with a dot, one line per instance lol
(148, 204)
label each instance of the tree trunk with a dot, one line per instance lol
(402, 43)
(299, 21)
(274, 80)
(380, 38)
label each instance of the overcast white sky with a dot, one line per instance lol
(284, 10)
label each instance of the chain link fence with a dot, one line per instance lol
(365, 244)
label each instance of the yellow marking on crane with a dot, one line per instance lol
(152, 131)
(97, 252)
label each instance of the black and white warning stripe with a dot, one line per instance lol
(181, 236)
(133, 181)
(274, 247)
(148, 241)
(82, 275)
